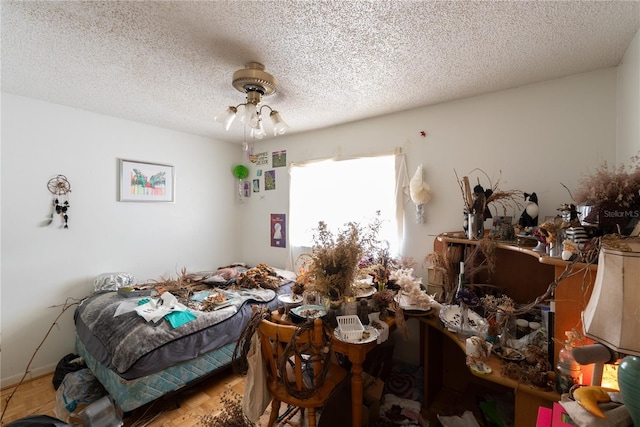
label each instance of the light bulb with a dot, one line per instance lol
(250, 115)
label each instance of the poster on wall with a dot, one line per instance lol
(279, 159)
(270, 180)
(278, 231)
(259, 158)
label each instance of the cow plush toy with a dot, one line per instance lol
(529, 217)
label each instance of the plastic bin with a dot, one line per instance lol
(350, 327)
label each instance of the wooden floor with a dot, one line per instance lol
(37, 397)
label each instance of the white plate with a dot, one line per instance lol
(316, 311)
(290, 299)
(480, 368)
(373, 336)
(510, 354)
(406, 304)
(364, 292)
(229, 298)
(450, 316)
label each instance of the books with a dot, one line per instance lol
(556, 417)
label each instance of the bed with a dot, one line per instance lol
(138, 361)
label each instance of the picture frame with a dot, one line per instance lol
(145, 182)
(499, 220)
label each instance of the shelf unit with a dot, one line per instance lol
(524, 274)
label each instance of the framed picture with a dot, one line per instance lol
(279, 159)
(499, 220)
(146, 182)
(279, 230)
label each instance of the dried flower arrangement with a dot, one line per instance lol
(336, 260)
(468, 297)
(383, 299)
(547, 232)
(411, 286)
(231, 415)
(479, 260)
(378, 264)
(620, 185)
(479, 200)
(497, 311)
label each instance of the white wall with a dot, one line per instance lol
(43, 266)
(628, 143)
(540, 136)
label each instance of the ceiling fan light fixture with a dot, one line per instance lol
(250, 115)
(279, 126)
(227, 117)
(253, 78)
(255, 83)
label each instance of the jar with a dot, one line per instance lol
(568, 371)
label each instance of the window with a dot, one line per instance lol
(340, 191)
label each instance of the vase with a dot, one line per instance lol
(541, 247)
(475, 224)
(554, 249)
(629, 382)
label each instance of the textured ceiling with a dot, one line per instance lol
(170, 63)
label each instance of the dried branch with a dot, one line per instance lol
(67, 305)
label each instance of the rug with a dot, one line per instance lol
(405, 381)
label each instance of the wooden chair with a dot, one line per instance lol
(299, 371)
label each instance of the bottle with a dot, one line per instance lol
(568, 371)
(461, 279)
(363, 311)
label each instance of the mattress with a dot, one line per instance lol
(169, 367)
(131, 394)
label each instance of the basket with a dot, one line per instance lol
(350, 327)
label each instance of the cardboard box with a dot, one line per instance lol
(436, 275)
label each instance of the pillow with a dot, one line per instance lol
(228, 273)
(113, 281)
(617, 415)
